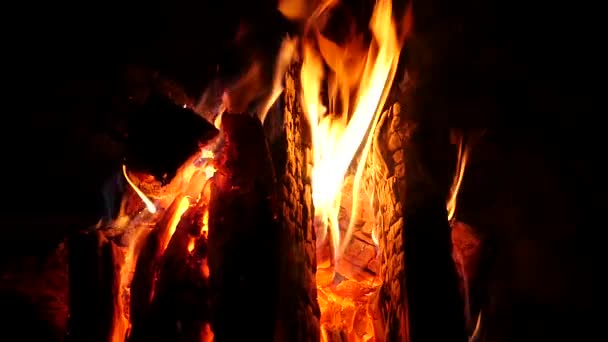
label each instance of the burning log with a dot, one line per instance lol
(170, 291)
(387, 157)
(162, 135)
(243, 235)
(290, 144)
(419, 298)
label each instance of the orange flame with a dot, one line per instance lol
(207, 334)
(189, 182)
(149, 205)
(183, 205)
(338, 135)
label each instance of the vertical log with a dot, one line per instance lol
(290, 145)
(243, 235)
(387, 157)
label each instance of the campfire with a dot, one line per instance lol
(287, 224)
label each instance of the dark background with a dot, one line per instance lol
(529, 71)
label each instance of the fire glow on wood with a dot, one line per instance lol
(187, 193)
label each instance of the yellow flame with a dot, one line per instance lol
(217, 122)
(337, 136)
(205, 153)
(463, 155)
(209, 171)
(149, 205)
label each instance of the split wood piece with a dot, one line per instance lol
(93, 282)
(162, 135)
(178, 309)
(146, 273)
(243, 235)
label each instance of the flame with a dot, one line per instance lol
(359, 78)
(463, 155)
(149, 205)
(183, 205)
(241, 94)
(129, 257)
(475, 336)
(286, 52)
(217, 122)
(207, 154)
(375, 237)
(338, 135)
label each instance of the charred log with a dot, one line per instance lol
(92, 286)
(162, 135)
(243, 235)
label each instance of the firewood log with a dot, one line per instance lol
(178, 308)
(243, 235)
(92, 284)
(145, 275)
(162, 135)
